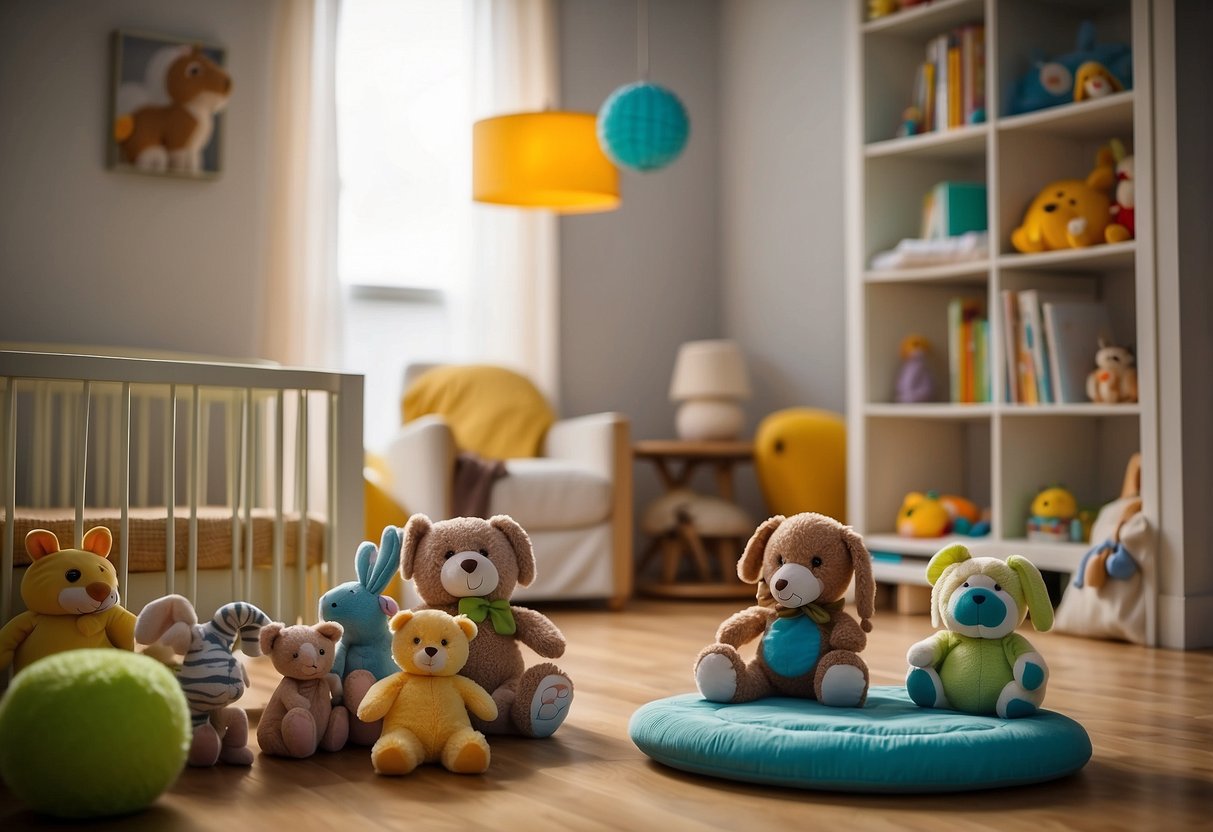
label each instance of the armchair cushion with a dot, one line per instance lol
(492, 411)
(545, 494)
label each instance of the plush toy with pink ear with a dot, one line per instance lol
(301, 716)
(809, 646)
(71, 598)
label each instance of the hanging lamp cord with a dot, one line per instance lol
(642, 39)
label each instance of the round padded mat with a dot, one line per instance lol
(888, 745)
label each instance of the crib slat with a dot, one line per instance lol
(301, 501)
(330, 526)
(250, 465)
(144, 432)
(191, 563)
(124, 487)
(115, 406)
(279, 499)
(170, 492)
(10, 496)
(82, 460)
(65, 442)
(43, 427)
(234, 442)
(100, 490)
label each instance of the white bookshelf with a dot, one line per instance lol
(998, 454)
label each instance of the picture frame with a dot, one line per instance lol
(166, 105)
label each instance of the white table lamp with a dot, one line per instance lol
(710, 380)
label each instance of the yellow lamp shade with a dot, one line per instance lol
(543, 160)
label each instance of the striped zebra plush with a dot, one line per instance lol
(209, 673)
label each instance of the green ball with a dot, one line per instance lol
(90, 733)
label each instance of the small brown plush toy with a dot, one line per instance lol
(300, 716)
(470, 566)
(802, 565)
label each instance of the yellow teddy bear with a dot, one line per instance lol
(1069, 213)
(72, 601)
(425, 707)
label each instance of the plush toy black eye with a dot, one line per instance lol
(296, 656)
(334, 605)
(450, 553)
(484, 552)
(72, 575)
(193, 70)
(816, 562)
(778, 446)
(322, 651)
(966, 583)
(444, 642)
(416, 641)
(997, 588)
(779, 559)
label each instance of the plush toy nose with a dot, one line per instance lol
(431, 651)
(781, 584)
(1051, 207)
(979, 599)
(468, 565)
(98, 591)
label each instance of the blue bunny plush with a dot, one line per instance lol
(364, 654)
(1049, 82)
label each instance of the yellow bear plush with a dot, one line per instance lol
(72, 601)
(424, 707)
(1069, 213)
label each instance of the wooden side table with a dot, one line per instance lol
(683, 534)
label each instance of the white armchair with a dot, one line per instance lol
(574, 500)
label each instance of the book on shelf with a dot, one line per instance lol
(949, 86)
(1010, 344)
(1072, 333)
(953, 208)
(1037, 376)
(968, 337)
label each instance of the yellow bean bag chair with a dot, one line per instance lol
(800, 455)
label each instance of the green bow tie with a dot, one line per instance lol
(819, 613)
(498, 612)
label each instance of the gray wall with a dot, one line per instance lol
(97, 257)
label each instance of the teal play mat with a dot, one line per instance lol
(888, 745)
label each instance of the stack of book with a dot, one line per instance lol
(1050, 340)
(950, 86)
(968, 351)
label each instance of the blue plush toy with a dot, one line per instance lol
(364, 654)
(1051, 82)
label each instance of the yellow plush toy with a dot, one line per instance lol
(71, 596)
(1069, 213)
(424, 708)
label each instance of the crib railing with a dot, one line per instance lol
(287, 437)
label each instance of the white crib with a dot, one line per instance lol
(219, 481)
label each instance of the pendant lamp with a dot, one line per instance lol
(549, 159)
(643, 126)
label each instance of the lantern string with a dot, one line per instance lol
(642, 39)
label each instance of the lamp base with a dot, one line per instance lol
(709, 419)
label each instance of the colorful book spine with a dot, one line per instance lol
(955, 99)
(1010, 331)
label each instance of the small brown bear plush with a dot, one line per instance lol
(300, 716)
(470, 566)
(802, 565)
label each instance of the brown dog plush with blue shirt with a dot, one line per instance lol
(810, 647)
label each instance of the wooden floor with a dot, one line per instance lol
(1149, 714)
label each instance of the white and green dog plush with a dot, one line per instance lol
(978, 663)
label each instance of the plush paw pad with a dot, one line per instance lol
(550, 704)
(1019, 708)
(1033, 676)
(716, 678)
(921, 688)
(843, 686)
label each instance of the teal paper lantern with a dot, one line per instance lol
(643, 126)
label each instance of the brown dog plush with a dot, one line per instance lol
(469, 566)
(802, 565)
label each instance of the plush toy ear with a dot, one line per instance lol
(945, 557)
(388, 605)
(749, 568)
(364, 559)
(39, 543)
(520, 543)
(467, 625)
(269, 634)
(98, 540)
(1102, 178)
(388, 561)
(1034, 592)
(865, 586)
(399, 620)
(169, 621)
(329, 629)
(414, 531)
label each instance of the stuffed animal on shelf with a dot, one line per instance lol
(301, 716)
(882, 8)
(914, 381)
(364, 654)
(1060, 80)
(1068, 213)
(978, 663)
(1092, 80)
(934, 515)
(470, 566)
(1124, 223)
(1053, 514)
(809, 646)
(71, 599)
(210, 674)
(166, 124)
(1114, 378)
(425, 707)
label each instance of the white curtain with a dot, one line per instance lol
(302, 295)
(508, 313)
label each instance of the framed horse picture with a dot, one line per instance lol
(166, 103)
